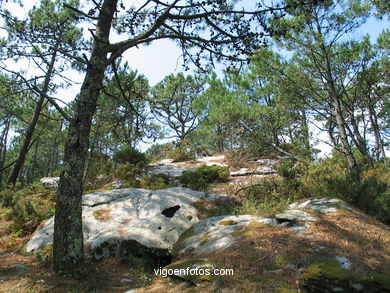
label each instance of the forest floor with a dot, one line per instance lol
(351, 233)
(21, 273)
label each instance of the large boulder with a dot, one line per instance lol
(115, 221)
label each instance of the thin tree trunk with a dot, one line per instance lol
(359, 140)
(340, 121)
(68, 249)
(379, 148)
(3, 149)
(343, 134)
(306, 133)
(31, 127)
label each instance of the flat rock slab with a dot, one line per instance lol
(113, 219)
(324, 206)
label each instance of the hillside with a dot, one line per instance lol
(299, 245)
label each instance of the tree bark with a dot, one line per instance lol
(68, 250)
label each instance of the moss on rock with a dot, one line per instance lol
(328, 275)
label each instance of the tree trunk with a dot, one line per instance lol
(3, 149)
(340, 121)
(379, 149)
(68, 250)
(31, 127)
(359, 140)
(343, 134)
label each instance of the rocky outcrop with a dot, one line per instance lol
(218, 233)
(168, 167)
(311, 243)
(116, 221)
(261, 167)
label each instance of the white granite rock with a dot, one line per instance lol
(215, 234)
(154, 219)
(50, 182)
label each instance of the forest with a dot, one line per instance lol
(300, 81)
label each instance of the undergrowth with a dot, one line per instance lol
(27, 207)
(201, 177)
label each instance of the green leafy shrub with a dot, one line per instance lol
(182, 152)
(157, 181)
(237, 157)
(130, 173)
(201, 177)
(160, 151)
(45, 254)
(129, 155)
(7, 197)
(373, 196)
(268, 197)
(330, 178)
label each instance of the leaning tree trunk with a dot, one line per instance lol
(13, 176)
(68, 249)
(340, 121)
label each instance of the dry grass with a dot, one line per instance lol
(270, 258)
(266, 259)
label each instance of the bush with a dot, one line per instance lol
(255, 206)
(159, 151)
(201, 177)
(182, 152)
(268, 197)
(131, 166)
(99, 170)
(373, 196)
(129, 155)
(238, 157)
(130, 173)
(157, 181)
(330, 177)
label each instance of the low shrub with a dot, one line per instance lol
(182, 152)
(330, 178)
(28, 206)
(238, 157)
(130, 173)
(160, 151)
(98, 172)
(157, 181)
(129, 155)
(268, 197)
(201, 177)
(255, 206)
